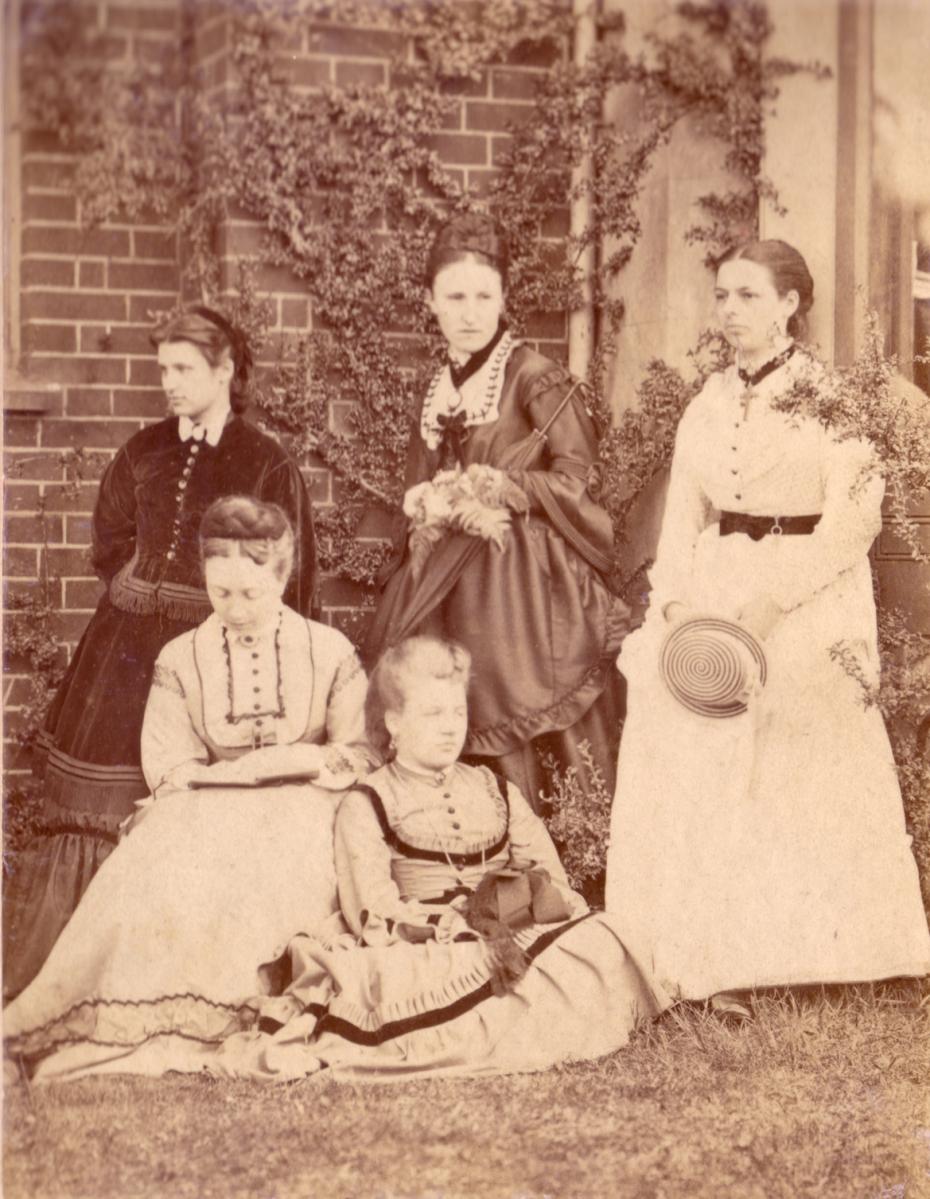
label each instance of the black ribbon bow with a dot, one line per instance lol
(452, 436)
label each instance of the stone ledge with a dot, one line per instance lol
(22, 394)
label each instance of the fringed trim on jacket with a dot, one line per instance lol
(177, 601)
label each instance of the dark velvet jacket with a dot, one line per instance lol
(152, 498)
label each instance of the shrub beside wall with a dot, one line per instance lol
(291, 169)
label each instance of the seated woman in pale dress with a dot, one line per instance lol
(468, 952)
(253, 728)
(765, 847)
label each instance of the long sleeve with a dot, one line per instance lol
(113, 532)
(420, 465)
(530, 842)
(345, 717)
(368, 894)
(851, 520)
(688, 511)
(559, 489)
(285, 485)
(170, 745)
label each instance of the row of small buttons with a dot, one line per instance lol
(736, 495)
(249, 640)
(451, 810)
(196, 437)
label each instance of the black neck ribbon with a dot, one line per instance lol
(477, 360)
(754, 377)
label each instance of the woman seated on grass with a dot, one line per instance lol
(467, 951)
(223, 867)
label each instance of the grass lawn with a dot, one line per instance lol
(825, 1094)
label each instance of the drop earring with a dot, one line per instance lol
(392, 746)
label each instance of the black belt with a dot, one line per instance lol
(762, 526)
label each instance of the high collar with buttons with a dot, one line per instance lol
(143, 514)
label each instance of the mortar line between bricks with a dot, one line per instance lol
(89, 322)
(52, 223)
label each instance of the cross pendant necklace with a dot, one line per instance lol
(751, 378)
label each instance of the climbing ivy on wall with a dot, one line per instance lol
(348, 191)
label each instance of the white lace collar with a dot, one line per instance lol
(479, 397)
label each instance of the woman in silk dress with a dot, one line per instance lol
(218, 869)
(152, 497)
(768, 848)
(416, 986)
(534, 610)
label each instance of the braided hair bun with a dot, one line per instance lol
(240, 524)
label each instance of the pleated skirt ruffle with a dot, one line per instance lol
(401, 1011)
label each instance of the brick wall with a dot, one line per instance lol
(86, 299)
(86, 376)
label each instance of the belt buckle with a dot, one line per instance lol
(776, 530)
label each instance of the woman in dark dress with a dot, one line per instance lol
(522, 588)
(152, 497)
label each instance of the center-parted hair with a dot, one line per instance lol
(398, 671)
(242, 525)
(464, 236)
(788, 270)
(214, 336)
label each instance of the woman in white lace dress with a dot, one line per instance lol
(768, 847)
(254, 726)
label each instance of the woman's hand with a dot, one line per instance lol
(477, 520)
(675, 612)
(760, 616)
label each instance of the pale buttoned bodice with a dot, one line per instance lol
(739, 455)
(459, 812)
(451, 811)
(299, 682)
